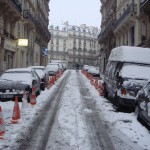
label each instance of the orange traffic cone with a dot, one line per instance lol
(24, 101)
(51, 80)
(101, 88)
(33, 97)
(16, 112)
(2, 127)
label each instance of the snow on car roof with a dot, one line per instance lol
(40, 67)
(22, 75)
(19, 69)
(130, 54)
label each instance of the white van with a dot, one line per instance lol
(127, 71)
(62, 62)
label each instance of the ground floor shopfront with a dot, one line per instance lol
(13, 56)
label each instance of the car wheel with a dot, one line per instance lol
(116, 103)
(29, 96)
(38, 92)
(105, 92)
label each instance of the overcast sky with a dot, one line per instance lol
(76, 12)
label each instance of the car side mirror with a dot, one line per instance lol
(141, 94)
(34, 81)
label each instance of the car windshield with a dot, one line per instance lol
(40, 72)
(52, 67)
(135, 71)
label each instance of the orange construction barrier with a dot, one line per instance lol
(100, 88)
(33, 97)
(2, 126)
(50, 81)
(16, 112)
(96, 82)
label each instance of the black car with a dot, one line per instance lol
(43, 74)
(142, 109)
(53, 69)
(25, 76)
(94, 71)
(10, 89)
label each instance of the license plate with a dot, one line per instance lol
(6, 96)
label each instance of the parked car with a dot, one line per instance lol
(10, 89)
(53, 69)
(24, 76)
(127, 71)
(94, 71)
(86, 67)
(142, 109)
(60, 65)
(62, 62)
(43, 74)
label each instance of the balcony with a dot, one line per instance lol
(108, 29)
(13, 4)
(143, 3)
(17, 4)
(126, 17)
(27, 15)
(145, 6)
(43, 28)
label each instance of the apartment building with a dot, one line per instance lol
(106, 37)
(124, 22)
(126, 25)
(23, 19)
(75, 44)
(144, 23)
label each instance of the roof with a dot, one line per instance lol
(82, 28)
(130, 54)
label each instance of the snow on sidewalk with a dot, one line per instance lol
(124, 122)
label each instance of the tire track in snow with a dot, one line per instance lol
(98, 134)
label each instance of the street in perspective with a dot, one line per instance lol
(72, 115)
(71, 82)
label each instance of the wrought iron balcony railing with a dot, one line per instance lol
(123, 16)
(107, 29)
(42, 26)
(17, 5)
(143, 2)
(28, 15)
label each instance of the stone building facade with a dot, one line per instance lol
(106, 37)
(144, 23)
(75, 44)
(129, 24)
(23, 19)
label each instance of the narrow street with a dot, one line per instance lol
(69, 120)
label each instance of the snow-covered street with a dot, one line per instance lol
(84, 120)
